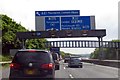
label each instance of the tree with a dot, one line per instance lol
(109, 53)
(9, 29)
(36, 44)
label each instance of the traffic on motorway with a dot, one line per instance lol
(34, 63)
(88, 72)
(39, 64)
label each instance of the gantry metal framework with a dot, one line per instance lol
(82, 44)
(71, 34)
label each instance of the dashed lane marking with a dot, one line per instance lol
(71, 76)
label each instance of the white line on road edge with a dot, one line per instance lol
(8, 62)
(64, 68)
(71, 76)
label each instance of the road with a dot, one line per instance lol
(88, 71)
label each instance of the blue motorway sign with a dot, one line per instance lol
(57, 13)
(55, 49)
(52, 23)
(78, 22)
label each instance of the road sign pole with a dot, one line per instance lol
(99, 48)
(101, 52)
(117, 54)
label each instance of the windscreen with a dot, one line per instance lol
(38, 56)
(75, 59)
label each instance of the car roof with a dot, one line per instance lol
(33, 50)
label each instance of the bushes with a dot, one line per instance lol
(5, 58)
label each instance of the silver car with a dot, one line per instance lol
(75, 62)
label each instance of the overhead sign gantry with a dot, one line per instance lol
(63, 20)
(61, 34)
(46, 20)
(62, 24)
(66, 24)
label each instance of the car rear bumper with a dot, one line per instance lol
(31, 78)
(15, 76)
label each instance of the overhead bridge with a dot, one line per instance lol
(83, 44)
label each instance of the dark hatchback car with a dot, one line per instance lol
(32, 64)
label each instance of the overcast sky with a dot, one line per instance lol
(105, 12)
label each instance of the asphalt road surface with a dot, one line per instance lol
(89, 71)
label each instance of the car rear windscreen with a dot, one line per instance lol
(38, 56)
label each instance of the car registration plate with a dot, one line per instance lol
(30, 71)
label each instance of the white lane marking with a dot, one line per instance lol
(71, 76)
(64, 68)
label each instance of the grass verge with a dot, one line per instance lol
(5, 58)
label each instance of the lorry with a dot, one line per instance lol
(56, 50)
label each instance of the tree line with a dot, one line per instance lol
(109, 53)
(9, 28)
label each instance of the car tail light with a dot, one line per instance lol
(48, 66)
(14, 65)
